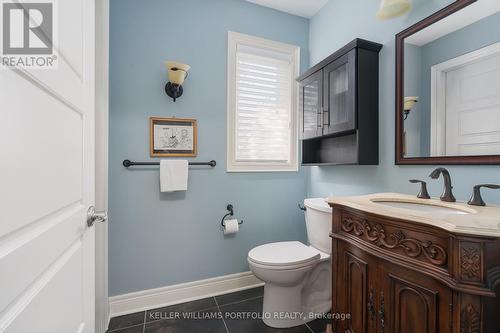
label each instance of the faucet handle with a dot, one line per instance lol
(476, 199)
(423, 194)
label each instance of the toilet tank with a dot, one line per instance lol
(319, 224)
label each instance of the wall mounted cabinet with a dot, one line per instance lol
(339, 107)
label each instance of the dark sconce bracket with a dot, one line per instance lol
(174, 90)
(406, 113)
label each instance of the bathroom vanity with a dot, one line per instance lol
(402, 264)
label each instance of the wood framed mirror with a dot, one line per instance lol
(448, 86)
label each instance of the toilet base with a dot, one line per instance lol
(294, 305)
(289, 302)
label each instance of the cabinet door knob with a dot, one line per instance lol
(326, 114)
(320, 120)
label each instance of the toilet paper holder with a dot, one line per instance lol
(230, 209)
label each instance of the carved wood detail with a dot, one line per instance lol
(469, 320)
(470, 262)
(412, 247)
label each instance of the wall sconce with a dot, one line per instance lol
(177, 73)
(393, 8)
(408, 105)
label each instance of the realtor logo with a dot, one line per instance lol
(28, 34)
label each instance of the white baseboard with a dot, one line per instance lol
(180, 293)
(107, 322)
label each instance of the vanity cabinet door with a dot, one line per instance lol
(356, 291)
(412, 302)
(311, 101)
(340, 95)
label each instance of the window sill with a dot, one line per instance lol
(257, 169)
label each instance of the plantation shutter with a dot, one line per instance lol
(264, 83)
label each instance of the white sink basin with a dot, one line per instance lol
(421, 207)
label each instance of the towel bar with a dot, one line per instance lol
(129, 163)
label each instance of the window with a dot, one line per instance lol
(262, 104)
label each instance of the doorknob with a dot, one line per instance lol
(93, 216)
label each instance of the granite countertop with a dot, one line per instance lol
(473, 220)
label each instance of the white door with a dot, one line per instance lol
(473, 108)
(47, 185)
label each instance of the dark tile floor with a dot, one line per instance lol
(207, 315)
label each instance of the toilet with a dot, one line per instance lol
(297, 276)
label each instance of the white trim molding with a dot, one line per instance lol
(237, 39)
(438, 93)
(180, 293)
(101, 162)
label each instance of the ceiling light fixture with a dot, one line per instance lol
(393, 8)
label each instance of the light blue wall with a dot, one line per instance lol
(339, 22)
(162, 239)
(412, 87)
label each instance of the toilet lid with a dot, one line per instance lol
(283, 254)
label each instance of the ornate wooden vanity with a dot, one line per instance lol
(399, 271)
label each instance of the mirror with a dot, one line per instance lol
(448, 86)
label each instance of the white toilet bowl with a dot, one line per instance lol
(297, 282)
(297, 277)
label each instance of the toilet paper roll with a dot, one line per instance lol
(231, 227)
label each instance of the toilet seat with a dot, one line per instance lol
(284, 255)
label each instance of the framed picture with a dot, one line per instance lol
(172, 137)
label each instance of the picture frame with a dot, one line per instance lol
(172, 137)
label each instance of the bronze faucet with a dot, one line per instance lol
(447, 194)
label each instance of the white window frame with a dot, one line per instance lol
(234, 39)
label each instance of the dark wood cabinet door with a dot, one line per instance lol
(357, 273)
(339, 103)
(414, 303)
(311, 101)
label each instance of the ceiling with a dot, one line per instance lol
(304, 8)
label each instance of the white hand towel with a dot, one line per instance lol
(173, 175)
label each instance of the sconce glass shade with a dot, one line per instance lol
(177, 72)
(410, 102)
(393, 8)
